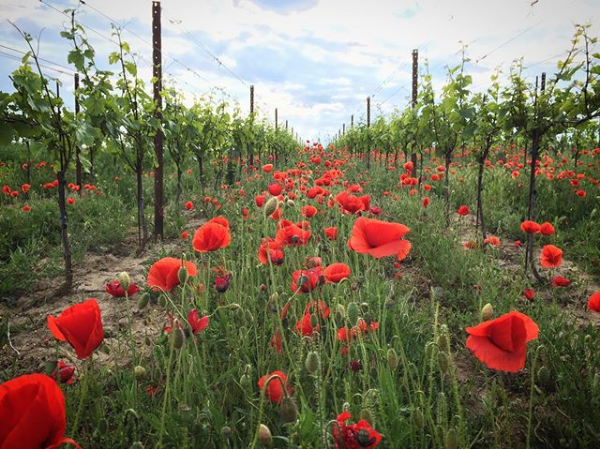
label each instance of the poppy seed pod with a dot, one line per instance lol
(124, 279)
(487, 312)
(271, 206)
(264, 436)
(288, 409)
(312, 362)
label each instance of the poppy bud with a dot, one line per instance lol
(451, 439)
(137, 445)
(392, 359)
(288, 409)
(50, 366)
(143, 301)
(139, 372)
(314, 321)
(226, 431)
(355, 365)
(312, 362)
(274, 297)
(364, 306)
(443, 362)
(544, 377)
(246, 382)
(290, 203)
(147, 341)
(365, 414)
(271, 206)
(487, 312)
(353, 313)
(183, 275)
(177, 336)
(264, 436)
(162, 301)
(418, 418)
(124, 280)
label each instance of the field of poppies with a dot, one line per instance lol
(426, 280)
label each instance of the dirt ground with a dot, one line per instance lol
(30, 344)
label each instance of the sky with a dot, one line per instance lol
(316, 61)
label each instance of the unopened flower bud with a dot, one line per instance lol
(443, 362)
(143, 301)
(365, 414)
(312, 362)
(288, 409)
(353, 313)
(451, 439)
(246, 382)
(124, 280)
(487, 312)
(290, 203)
(177, 336)
(139, 371)
(264, 436)
(418, 418)
(392, 359)
(183, 275)
(271, 206)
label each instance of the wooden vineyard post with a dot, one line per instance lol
(415, 84)
(158, 137)
(251, 150)
(78, 168)
(368, 135)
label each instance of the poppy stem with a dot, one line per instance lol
(84, 391)
(531, 391)
(165, 399)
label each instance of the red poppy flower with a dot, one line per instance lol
(425, 201)
(309, 211)
(352, 204)
(529, 294)
(117, 291)
(25, 188)
(551, 256)
(335, 272)
(273, 248)
(185, 235)
(277, 342)
(292, 235)
(189, 205)
(306, 280)
(65, 373)
(492, 240)
(276, 385)
(559, 281)
(71, 200)
(379, 238)
(275, 189)
(259, 200)
(211, 236)
(26, 208)
(305, 328)
(346, 334)
(80, 326)
(267, 168)
(319, 308)
(530, 227)
(331, 233)
(197, 324)
(501, 343)
(164, 274)
(463, 210)
(547, 229)
(32, 413)
(594, 302)
(354, 436)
